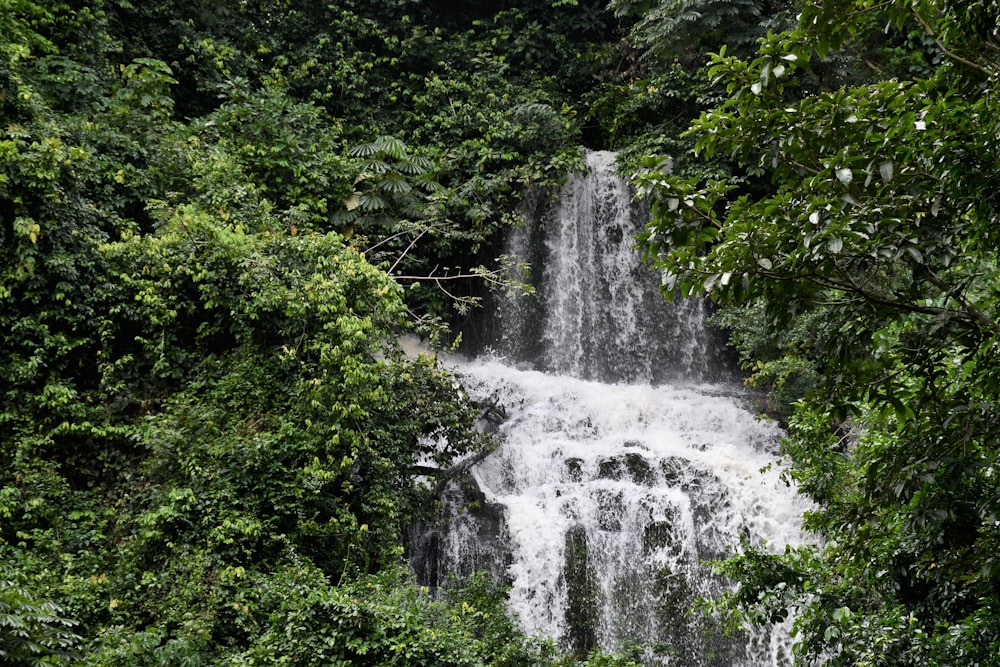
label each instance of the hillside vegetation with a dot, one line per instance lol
(217, 220)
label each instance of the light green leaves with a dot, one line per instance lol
(27, 228)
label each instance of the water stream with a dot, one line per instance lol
(627, 459)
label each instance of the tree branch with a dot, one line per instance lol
(445, 475)
(948, 52)
(954, 294)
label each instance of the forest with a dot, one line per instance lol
(217, 220)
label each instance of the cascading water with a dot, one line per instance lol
(609, 493)
(599, 313)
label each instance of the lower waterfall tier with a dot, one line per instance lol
(604, 504)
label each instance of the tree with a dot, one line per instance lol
(655, 83)
(211, 442)
(879, 228)
(667, 28)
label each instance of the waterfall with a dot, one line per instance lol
(622, 469)
(599, 313)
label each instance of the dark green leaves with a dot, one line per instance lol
(862, 277)
(33, 631)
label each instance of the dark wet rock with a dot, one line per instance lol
(582, 594)
(673, 469)
(610, 468)
(574, 469)
(692, 640)
(630, 466)
(639, 469)
(611, 507)
(431, 553)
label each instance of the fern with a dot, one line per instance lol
(33, 631)
(668, 28)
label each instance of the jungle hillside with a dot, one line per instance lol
(218, 221)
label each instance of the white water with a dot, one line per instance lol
(614, 493)
(658, 479)
(599, 313)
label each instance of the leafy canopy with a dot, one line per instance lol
(869, 260)
(216, 222)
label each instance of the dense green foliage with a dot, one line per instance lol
(861, 279)
(216, 221)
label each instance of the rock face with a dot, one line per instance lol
(598, 312)
(470, 534)
(674, 576)
(581, 594)
(467, 535)
(606, 541)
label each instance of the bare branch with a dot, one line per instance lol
(948, 52)
(954, 293)
(408, 248)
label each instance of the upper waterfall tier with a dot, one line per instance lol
(598, 313)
